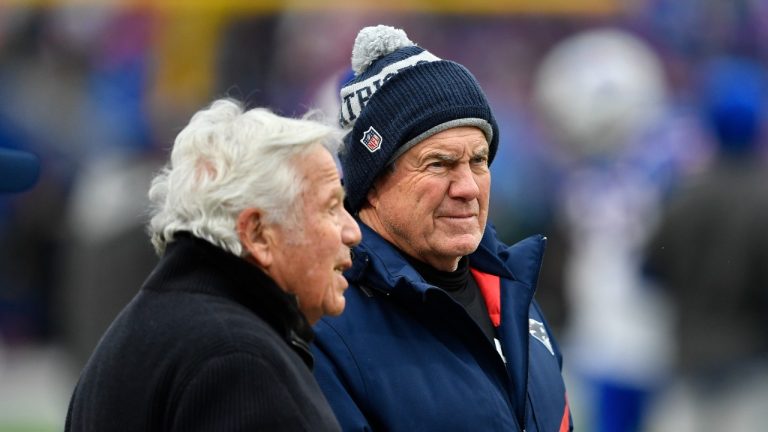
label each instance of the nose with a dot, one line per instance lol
(463, 184)
(350, 231)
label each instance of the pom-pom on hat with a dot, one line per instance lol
(401, 95)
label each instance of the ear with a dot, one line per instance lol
(373, 195)
(255, 236)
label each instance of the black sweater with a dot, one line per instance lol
(210, 343)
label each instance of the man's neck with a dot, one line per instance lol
(448, 280)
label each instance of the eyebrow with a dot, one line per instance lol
(483, 151)
(445, 157)
(339, 194)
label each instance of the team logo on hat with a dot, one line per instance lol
(372, 139)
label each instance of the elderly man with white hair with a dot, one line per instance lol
(248, 218)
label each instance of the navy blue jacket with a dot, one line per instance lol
(404, 356)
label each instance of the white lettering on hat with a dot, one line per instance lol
(356, 95)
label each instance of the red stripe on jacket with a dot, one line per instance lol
(490, 288)
(565, 423)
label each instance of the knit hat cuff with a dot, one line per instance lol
(479, 123)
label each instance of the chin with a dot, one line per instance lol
(335, 311)
(336, 307)
(462, 248)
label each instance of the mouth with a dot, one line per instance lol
(459, 216)
(463, 212)
(340, 268)
(343, 284)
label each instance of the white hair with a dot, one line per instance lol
(226, 160)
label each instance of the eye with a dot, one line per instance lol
(480, 160)
(439, 163)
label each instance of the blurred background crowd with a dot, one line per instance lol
(631, 136)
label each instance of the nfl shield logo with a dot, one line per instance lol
(371, 139)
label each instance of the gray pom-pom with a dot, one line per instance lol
(374, 42)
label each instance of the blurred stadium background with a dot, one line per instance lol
(99, 88)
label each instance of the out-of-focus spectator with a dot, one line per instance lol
(105, 214)
(33, 71)
(710, 253)
(603, 94)
(19, 171)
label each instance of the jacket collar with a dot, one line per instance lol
(194, 265)
(520, 261)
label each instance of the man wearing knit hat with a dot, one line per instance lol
(441, 332)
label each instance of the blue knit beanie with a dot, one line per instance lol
(401, 95)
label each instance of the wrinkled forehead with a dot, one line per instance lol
(453, 142)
